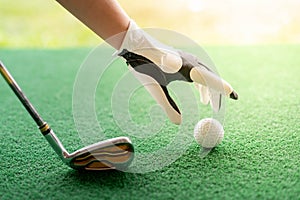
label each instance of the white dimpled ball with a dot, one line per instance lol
(209, 132)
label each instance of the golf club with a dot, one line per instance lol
(116, 153)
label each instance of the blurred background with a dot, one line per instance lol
(45, 24)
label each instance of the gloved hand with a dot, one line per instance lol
(155, 65)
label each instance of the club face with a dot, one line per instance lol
(112, 154)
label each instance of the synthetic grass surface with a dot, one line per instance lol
(258, 158)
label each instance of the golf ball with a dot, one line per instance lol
(209, 132)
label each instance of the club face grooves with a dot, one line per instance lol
(115, 156)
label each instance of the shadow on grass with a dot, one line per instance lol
(160, 184)
(116, 178)
(110, 179)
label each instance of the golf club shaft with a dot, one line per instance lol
(17, 90)
(43, 126)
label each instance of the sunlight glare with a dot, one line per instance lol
(195, 5)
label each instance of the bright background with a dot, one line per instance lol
(40, 23)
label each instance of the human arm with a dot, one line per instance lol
(104, 17)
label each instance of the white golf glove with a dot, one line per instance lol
(155, 65)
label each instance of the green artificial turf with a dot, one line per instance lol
(258, 158)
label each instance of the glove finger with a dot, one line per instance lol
(215, 100)
(204, 93)
(210, 80)
(195, 71)
(160, 95)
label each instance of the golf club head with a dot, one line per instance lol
(112, 154)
